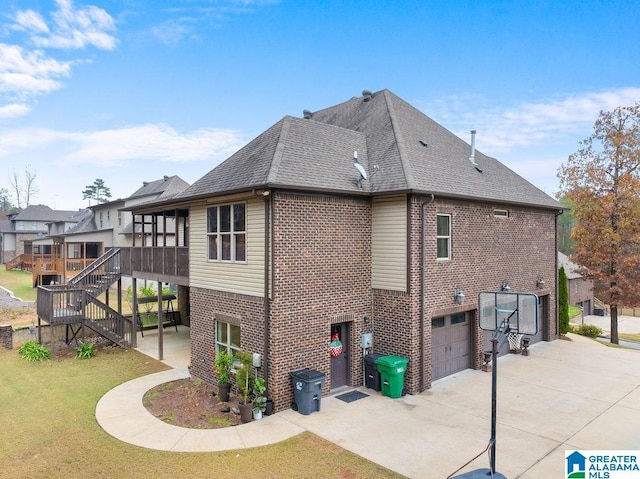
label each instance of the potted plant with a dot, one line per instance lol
(259, 399)
(244, 383)
(222, 364)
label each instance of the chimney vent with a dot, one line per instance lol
(367, 95)
(472, 158)
(307, 114)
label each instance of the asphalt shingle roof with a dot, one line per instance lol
(316, 154)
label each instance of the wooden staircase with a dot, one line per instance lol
(22, 261)
(76, 304)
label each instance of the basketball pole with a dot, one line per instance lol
(494, 404)
(499, 337)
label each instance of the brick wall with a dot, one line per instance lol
(321, 275)
(207, 306)
(485, 251)
(581, 290)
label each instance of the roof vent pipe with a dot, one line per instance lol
(306, 114)
(472, 158)
(367, 95)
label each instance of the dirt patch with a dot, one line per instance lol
(190, 403)
(18, 316)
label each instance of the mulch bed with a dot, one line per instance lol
(190, 403)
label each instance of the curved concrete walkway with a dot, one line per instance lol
(567, 395)
(122, 414)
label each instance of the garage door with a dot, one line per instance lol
(451, 344)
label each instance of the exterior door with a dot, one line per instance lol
(451, 344)
(339, 351)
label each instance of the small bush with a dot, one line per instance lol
(85, 350)
(588, 330)
(34, 351)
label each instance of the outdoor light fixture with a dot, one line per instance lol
(505, 286)
(525, 346)
(540, 283)
(458, 296)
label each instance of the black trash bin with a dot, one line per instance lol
(371, 373)
(307, 388)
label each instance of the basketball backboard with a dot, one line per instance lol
(520, 309)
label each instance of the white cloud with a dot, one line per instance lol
(505, 129)
(152, 142)
(116, 147)
(14, 110)
(26, 74)
(29, 20)
(71, 28)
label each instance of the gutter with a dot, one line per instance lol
(422, 288)
(267, 198)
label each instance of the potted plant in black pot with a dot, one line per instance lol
(259, 399)
(244, 383)
(222, 365)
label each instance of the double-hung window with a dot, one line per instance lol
(443, 236)
(227, 337)
(226, 233)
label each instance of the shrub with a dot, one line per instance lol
(85, 350)
(588, 330)
(34, 351)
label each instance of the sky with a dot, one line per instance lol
(131, 90)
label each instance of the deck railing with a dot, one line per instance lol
(167, 261)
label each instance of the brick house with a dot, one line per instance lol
(580, 288)
(289, 242)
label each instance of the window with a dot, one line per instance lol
(20, 225)
(226, 233)
(443, 236)
(227, 337)
(108, 216)
(501, 213)
(119, 218)
(34, 225)
(101, 223)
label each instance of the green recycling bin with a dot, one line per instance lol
(392, 370)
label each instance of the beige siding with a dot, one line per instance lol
(389, 244)
(243, 278)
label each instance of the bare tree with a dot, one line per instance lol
(24, 192)
(31, 190)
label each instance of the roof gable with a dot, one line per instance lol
(412, 152)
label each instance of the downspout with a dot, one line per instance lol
(422, 288)
(555, 274)
(266, 197)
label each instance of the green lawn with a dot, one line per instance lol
(19, 283)
(49, 430)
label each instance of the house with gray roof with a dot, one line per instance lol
(20, 230)
(367, 223)
(580, 288)
(65, 251)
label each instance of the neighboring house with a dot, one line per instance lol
(22, 229)
(105, 225)
(289, 244)
(580, 288)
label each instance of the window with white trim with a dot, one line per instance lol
(119, 218)
(443, 236)
(227, 337)
(226, 233)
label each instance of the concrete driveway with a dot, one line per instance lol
(568, 394)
